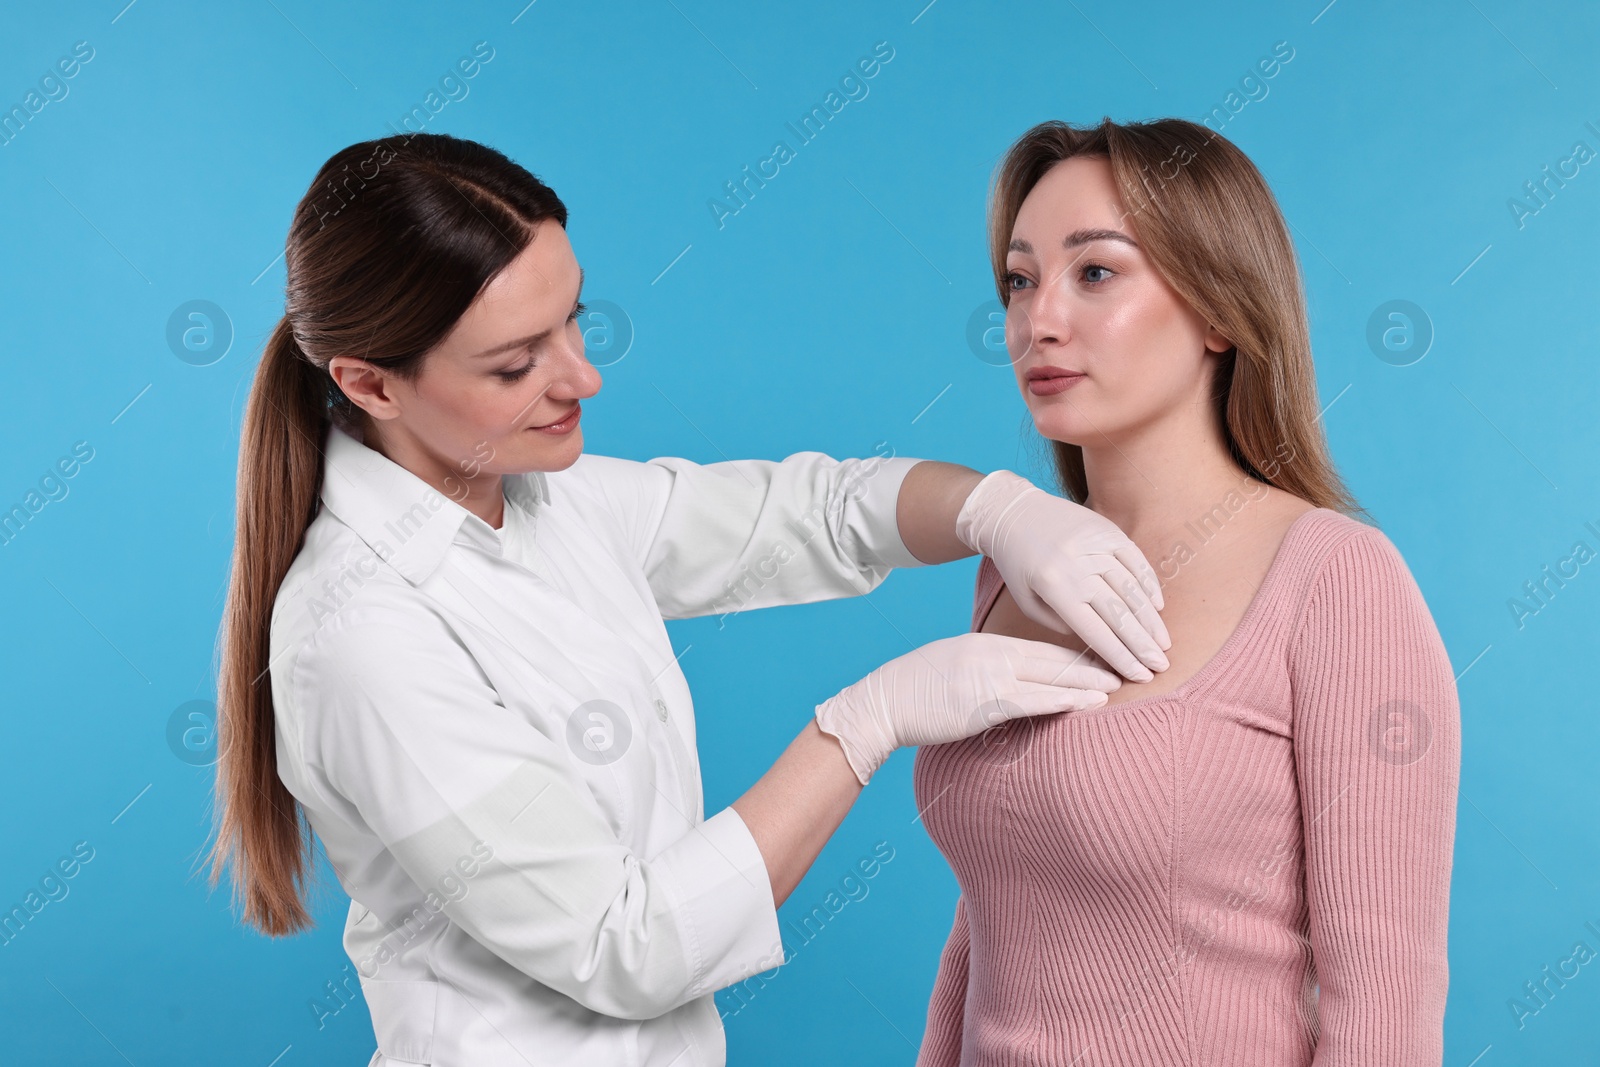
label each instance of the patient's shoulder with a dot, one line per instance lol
(1344, 564)
(1331, 535)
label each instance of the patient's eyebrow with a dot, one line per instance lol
(1074, 239)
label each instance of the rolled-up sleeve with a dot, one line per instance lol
(399, 721)
(721, 537)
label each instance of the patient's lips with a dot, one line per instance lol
(1048, 381)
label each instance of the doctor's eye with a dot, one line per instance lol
(516, 375)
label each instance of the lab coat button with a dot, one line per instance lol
(661, 709)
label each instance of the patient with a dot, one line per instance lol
(1245, 860)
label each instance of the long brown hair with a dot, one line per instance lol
(386, 250)
(1213, 230)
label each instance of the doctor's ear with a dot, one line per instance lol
(1215, 341)
(369, 387)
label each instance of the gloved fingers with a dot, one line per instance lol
(1082, 675)
(1122, 583)
(1035, 699)
(1130, 557)
(1113, 611)
(1051, 614)
(1055, 596)
(1041, 661)
(1092, 629)
(1091, 658)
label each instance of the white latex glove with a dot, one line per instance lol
(954, 688)
(1070, 569)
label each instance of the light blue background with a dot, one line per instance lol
(829, 314)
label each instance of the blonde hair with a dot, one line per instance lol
(1212, 228)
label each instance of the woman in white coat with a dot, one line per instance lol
(470, 696)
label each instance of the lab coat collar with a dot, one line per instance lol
(404, 520)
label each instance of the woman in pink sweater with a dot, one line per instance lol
(1244, 860)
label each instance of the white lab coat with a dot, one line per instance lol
(490, 734)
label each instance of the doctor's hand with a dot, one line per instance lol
(954, 688)
(1070, 569)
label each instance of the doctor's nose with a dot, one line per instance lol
(575, 378)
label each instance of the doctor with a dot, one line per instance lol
(469, 692)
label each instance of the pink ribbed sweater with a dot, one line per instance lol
(1171, 880)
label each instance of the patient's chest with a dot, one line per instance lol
(1170, 782)
(1206, 599)
(1162, 811)
(1198, 632)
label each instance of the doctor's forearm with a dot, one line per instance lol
(797, 805)
(930, 498)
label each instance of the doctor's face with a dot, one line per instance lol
(500, 394)
(1101, 345)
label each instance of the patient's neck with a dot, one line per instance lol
(1153, 481)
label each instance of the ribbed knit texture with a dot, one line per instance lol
(1169, 880)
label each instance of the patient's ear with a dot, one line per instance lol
(1215, 342)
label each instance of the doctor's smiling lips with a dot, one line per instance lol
(562, 425)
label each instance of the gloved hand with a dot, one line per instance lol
(1069, 569)
(954, 688)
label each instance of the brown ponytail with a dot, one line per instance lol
(388, 248)
(280, 477)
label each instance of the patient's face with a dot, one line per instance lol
(1085, 299)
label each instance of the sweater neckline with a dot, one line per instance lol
(1281, 561)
